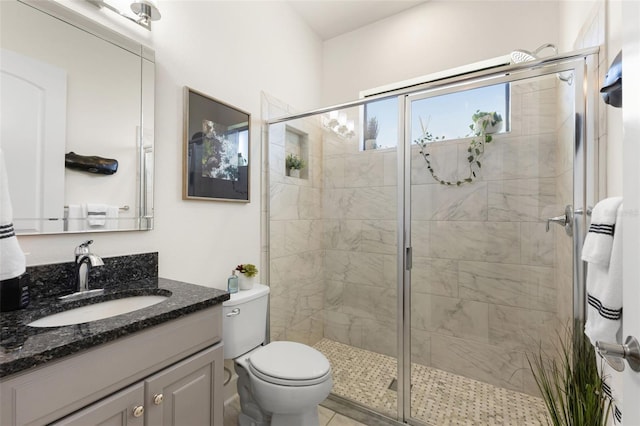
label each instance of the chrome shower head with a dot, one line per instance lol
(521, 55)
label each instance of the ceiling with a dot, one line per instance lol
(331, 18)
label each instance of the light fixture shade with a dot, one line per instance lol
(146, 10)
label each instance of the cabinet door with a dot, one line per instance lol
(187, 393)
(121, 409)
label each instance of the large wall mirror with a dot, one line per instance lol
(76, 122)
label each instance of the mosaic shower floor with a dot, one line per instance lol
(437, 397)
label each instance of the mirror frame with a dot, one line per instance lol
(143, 220)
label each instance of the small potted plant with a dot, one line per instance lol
(294, 164)
(486, 123)
(371, 134)
(248, 272)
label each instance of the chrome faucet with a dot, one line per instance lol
(85, 260)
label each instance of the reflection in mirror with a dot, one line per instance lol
(76, 91)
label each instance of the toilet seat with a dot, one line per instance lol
(289, 364)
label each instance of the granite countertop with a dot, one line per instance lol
(23, 347)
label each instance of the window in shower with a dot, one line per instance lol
(445, 117)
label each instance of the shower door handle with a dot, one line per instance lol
(566, 220)
(614, 353)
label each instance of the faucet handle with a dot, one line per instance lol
(83, 248)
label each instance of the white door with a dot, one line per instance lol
(631, 191)
(33, 102)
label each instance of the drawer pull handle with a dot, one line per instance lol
(158, 398)
(138, 411)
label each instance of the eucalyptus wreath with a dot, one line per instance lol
(475, 151)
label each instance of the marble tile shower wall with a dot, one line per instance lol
(483, 278)
(296, 252)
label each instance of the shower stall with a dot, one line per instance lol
(432, 238)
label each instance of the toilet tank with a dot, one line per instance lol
(244, 321)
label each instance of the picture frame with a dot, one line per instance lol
(216, 160)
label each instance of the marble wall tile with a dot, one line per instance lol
(390, 271)
(308, 332)
(444, 160)
(420, 347)
(333, 295)
(380, 337)
(370, 302)
(539, 111)
(355, 267)
(302, 267)
(434, 276)
(379, 236)
(303, 235)
(478, 361)
(284, 201)
(439, 202)
(276, 238)
(520, 158)
(390, 168)
(364, 169)
(342, 234)
(521, 200)
(310, 203)
(529, 287)
(421, 237)
(535, 84)
(451, 316)
(523, 330)
(486, 241)
(343, 328)
(537, 245)
(333, 172)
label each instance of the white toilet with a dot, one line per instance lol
(279, 384)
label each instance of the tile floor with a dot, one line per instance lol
(438, 398)
(327, 417)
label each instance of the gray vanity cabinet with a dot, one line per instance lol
(183, 394)
(171, 373)
(180, 395)
(115, 410)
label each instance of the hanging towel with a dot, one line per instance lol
(76, 217)
(97, 214)
(112, 217)
(12, 260)
(599, 240)
(603, 252)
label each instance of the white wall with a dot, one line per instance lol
(431, 37)
(231, 51)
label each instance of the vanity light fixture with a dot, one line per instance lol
(142, 12)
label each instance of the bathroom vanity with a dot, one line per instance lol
(159, 365)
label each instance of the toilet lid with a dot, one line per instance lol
(289, 361)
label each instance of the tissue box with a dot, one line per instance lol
(14, 293)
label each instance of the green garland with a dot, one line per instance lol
(475, 150)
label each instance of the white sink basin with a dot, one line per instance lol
(97, 311)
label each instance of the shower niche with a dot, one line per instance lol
(296, 150)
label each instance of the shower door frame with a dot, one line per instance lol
(584, 190)
(586, 164)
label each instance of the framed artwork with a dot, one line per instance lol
(216, 150)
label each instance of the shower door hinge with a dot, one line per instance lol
(408, 258)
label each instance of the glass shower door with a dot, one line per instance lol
(489, 163)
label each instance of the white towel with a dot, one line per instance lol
(604, 276)
(76, 217)
(12, 260)
(97, 214)
(599, 240)
(604, 272)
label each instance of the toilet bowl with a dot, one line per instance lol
(280, 383)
